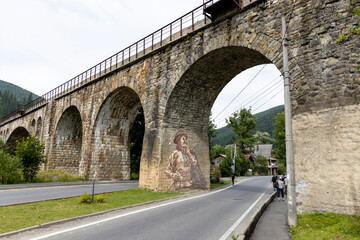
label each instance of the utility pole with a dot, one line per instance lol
(233, 156)
(291, 214)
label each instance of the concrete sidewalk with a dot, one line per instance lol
(273, 223)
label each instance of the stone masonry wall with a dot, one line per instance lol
(177, 85)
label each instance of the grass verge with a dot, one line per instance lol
(315, 226)
(27, 215)
(216, 185)
(22, 216)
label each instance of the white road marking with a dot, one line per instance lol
(138, 211)
(234, 226)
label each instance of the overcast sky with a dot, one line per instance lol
(44, 43)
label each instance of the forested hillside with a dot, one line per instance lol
(12, 96)
(264, 123)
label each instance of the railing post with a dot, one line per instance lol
(170, 32)
(160, 37)
(144, 46)
(192, 20)
(180, 27)
(123, 57)
(152, 42)
(136, 50)
(117, 55)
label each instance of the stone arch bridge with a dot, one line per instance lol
(175, 80)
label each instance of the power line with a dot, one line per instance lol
(265, 95)
(269, 99)
(256, 95)
(241, 90)
(259, 95)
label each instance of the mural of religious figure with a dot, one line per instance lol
(183, 166)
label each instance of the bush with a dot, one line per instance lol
(134, 176)
(86, 198)
(30, 152)
(215, 175)
(10, 168)
(100, 198)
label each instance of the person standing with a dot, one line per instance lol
(273, 180)
(285, 183)
(233, 177)
(280, 189)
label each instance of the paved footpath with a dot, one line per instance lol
(273, 223)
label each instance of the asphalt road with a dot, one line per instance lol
(208, 216)
(34, 194)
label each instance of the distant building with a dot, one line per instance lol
(265, 150)
(217, 160)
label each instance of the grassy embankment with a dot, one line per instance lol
(326, 226)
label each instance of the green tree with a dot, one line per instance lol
(217, 150)
(262, 138)
(279, 133)
(242, 166)
(225, 166)
(243, 124)
(4, 147)
(281, 169)
(30, 152)
(212, 132)
(10, 168)
(136, 142)
(261, 165)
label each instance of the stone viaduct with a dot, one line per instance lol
(85, 127)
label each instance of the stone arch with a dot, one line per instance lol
(67, 142)
(190, 102)
(17, 135)
(38, 126)
(110, 139)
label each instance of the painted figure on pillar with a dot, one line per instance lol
(183, 167)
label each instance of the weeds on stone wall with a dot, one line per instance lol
(353, 31)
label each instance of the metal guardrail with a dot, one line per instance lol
(172, 31)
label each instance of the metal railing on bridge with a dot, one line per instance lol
(172, 31)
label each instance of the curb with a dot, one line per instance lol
(57, 184)
(246, 232)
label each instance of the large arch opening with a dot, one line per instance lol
(17, 135)
(189, 107)
(38, 126)
(111, 159)
(67, 142)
